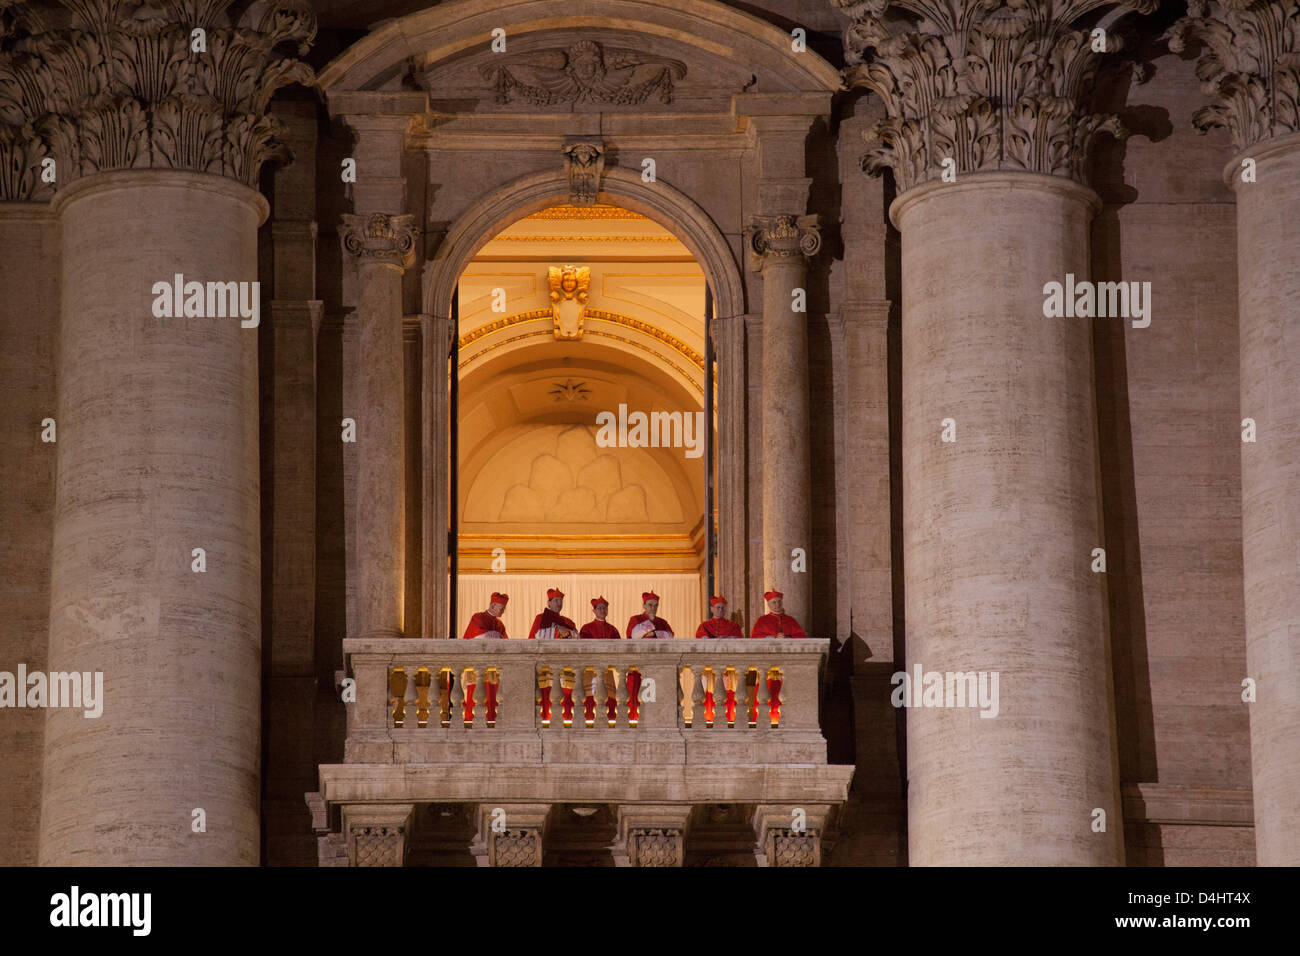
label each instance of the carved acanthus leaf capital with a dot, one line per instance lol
(1249, 63)
(780, 238)
(380, 238)
(99, 85)
(988, 84)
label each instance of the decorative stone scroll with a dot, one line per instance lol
(380, 238)
(99, 85)
(776, 238)
(1249, 62)
(988, 84)
(584, 72)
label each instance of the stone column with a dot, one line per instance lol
(436, 332)
(155, 565)
(779, 247)
(383, 246)
(1000, 523)
(789, 835)
(1253, 47)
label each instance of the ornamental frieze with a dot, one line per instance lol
(1249, 62)
(985, 84)
(98, 85)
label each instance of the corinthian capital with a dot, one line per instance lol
(1250, 63)
(989, 84)
(380, 238)
(98, 85)
(776, 238)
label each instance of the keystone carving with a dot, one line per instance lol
(585, 162)
(990, 84)
(98, 85)
(1249, 62)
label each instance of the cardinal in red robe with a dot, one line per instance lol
(551, 623)
(599, 629)
(719, 625)
(488, 623)
(647, 625)
(776, 623)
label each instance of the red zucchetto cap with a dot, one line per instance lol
(649, 596)
(553, 593)
(768, 595)
(499, 598)
(599, 600)
(717, 599)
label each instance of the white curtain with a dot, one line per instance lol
(679, 598)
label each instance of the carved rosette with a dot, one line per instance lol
(1249, 62)
(990, 84)
(380, 238)
(99, 85)
(781, 238)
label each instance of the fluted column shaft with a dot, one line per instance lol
(157, 457)
(382, 246)
(999, 526)
(1268, 283)
(779, 246)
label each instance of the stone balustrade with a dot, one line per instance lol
(675, 702)
(508, 734)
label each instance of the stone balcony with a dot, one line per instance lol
(531, 749)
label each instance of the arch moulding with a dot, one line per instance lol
(619, 187)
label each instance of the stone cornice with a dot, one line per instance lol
(777, 238)
(100, 85)
(1249, 62)
(990, 84)
(388, 240)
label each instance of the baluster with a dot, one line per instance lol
(775, 679)
(589, 679)
(611, 695)
(633, 696)
(423, 680)
(686, 678)
(469, 681)
(397, 695)
(545, 681)
(568, 678)
(729, 680)
(751, 695)
(445, 683)
(491, 684)
(708, 680)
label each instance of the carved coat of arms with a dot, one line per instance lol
(570, 289)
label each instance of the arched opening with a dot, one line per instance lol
(584, 418)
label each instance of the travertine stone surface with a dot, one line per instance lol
(779, 247)
(29, 321)
(1268, 235)
(157, 456)
(999, 527)
(382, 245)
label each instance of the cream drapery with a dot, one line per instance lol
(679, 598)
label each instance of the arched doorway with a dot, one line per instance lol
(584, 418)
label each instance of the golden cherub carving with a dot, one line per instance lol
(570, 289)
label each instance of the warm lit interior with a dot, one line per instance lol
(533, 375)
